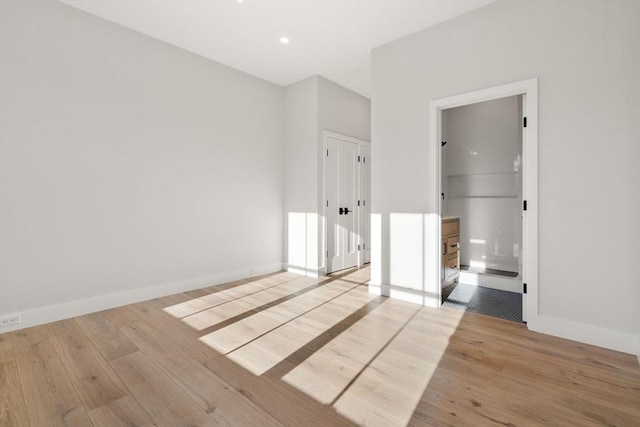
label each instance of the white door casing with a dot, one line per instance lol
(364, 203)
(523, 223)
(529, 90)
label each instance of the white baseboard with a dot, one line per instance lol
(375, 289)
(309, 272)
(52, 313)
(405, 294)
(588, 334)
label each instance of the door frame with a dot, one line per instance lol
(529, 90)
(364, 202)
(324, 230)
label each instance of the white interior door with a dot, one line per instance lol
(341, 178)
(365, 209)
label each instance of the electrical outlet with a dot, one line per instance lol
(5, 322)
(253, 271)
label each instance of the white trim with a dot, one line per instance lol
(309, 272)
(589, 334)
(529, 88)
(52, 313)
(409, 295)
(329, 134)
(375, 289)
(433, 261)
(362, 258)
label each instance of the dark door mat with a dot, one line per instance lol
(492, 302)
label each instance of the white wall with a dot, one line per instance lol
(129, 167)
(586, 56)
(312, 106)
(301, 249)
(343, 111)
(482, 160)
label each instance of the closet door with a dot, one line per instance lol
(341, 180)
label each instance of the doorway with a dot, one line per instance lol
(526, 91)
(346, 201)
(481, 190)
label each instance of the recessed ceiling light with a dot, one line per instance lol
(284, 40)
(240, 1)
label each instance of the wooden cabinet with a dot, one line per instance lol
(450, 250)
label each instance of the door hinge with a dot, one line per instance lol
(364, 159)
(364, 203)
(358, 158)
(327, 203)
(358, 247)
(524, 205)
(327, 152)
(327, 254)
(358, 202)
(524, 122)
(524, 288)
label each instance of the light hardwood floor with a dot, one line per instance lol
(289, 350)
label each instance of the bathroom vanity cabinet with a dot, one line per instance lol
(450, 250)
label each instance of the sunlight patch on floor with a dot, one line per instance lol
(375, 356)
(248, 329)
(196, 305)
(326, 373)
(271, 349)
(226, 311)
(390, 387)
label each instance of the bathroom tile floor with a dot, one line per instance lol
(492, 302)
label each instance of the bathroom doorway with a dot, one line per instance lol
(481, 187)
(485, 173)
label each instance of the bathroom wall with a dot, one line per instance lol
(482, 182)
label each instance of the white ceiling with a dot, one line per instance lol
(332, 38)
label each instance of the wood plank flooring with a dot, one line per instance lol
(283, 349)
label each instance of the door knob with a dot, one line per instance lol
(341, 211)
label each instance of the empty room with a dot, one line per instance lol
(319, 213)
